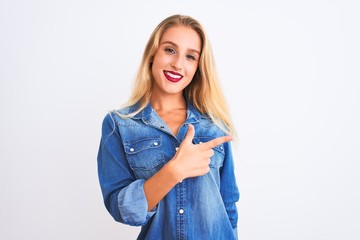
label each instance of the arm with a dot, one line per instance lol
(228, 187)
(123, 194)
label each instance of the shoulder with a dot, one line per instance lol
(121, 116)
(213, 127)
(208, 126)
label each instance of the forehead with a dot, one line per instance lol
(183, 37)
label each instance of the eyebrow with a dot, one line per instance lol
(175, 45)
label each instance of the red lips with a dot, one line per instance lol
(173, 76)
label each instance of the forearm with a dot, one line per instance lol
(160, 184)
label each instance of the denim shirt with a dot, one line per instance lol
(132, 150)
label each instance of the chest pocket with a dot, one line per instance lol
(145, 156)
(216, 161)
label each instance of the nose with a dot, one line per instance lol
(177, 63)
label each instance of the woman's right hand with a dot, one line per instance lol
(192, 160)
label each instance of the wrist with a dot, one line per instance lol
(174, 172)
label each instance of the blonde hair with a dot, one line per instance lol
(204, 91)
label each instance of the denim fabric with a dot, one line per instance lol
(132, 150)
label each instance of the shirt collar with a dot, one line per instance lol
(147, 114)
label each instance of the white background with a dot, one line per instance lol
(290, 70)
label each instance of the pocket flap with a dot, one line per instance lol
(132, 147)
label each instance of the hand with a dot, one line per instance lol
(193, 160)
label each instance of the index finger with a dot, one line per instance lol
(217, 141)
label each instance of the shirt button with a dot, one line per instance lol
(132, 149)
(156, 143)
(181, 211)
(200, 142)
(177, 148)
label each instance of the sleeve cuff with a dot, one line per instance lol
(133, 205)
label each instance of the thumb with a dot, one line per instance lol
(190, 134)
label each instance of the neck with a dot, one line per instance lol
(168, 102)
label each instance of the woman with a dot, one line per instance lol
(165, 162)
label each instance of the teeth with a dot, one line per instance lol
(173, 75)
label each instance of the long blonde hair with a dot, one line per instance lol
(204, 91)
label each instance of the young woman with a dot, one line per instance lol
(165, 162)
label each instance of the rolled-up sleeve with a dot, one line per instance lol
(133, 205)
(123, 194)
(228, 186)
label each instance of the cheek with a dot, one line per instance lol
(156, 65)
(161, 59)
(155, 62)
(192, 70)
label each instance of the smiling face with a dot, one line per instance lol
(176, 61)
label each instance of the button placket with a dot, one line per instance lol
(181, 208)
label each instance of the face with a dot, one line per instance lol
(176, 60)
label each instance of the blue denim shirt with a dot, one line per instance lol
(132, 150)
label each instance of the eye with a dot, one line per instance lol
(191, 57)
(170, 50)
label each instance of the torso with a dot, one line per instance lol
(148, 147)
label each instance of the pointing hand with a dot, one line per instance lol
(192, 160)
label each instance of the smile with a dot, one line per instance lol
(173, 76)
